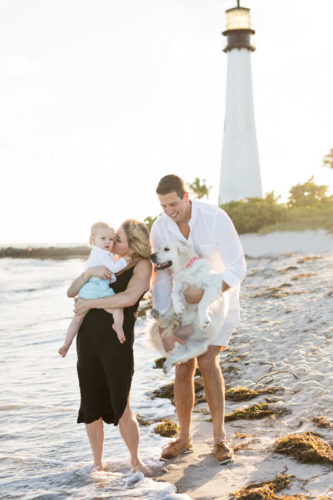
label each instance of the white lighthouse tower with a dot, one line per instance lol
(240, 171)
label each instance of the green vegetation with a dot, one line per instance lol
(199, 189)
(308, 207)
(328, 159)
(149, 221)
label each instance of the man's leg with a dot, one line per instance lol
(214, 388)
(184, 399)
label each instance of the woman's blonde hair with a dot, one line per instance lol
(137, 234)
(97, 227)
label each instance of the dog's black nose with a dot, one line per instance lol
(153, 257)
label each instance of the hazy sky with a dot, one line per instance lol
(101, 98)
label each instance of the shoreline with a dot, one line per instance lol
(51, 252)
(254, 245)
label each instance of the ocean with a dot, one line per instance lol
(44, 453)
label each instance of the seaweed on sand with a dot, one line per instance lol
(159, 362)
(167, 428)
(245, 394)
(167, 391)
(321, 421)
(308, 448)
(264, 490)
(256, 411)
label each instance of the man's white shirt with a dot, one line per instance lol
(214, 237)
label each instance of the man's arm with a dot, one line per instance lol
(231, 251)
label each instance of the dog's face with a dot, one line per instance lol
(174, 254)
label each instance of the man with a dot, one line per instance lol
(210, 231)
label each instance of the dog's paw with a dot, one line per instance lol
(155, 314)
(204, 322)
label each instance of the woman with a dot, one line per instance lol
(105, 366)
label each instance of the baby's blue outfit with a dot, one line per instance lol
(96, 289)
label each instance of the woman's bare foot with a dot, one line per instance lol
(139, 466)
(120, 332)
(63, 350)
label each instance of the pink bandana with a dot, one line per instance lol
(191, 261)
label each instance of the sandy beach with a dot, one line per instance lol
(284, 343)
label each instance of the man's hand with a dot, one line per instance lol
(193, 295)
(169, 342)
(81, 306)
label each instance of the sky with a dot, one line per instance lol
(101, 98)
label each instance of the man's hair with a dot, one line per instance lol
(170, 183)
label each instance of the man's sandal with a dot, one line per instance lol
(223, 452)
(172, 450)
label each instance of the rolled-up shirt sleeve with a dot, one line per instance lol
(162, 280)
(231, 250)
(114, 266)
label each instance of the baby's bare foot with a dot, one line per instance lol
(63, 350)
(139, 466)
(120, 332)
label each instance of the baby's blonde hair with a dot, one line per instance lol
(137, 234)
(97, 227)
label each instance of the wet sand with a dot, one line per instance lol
(284, 340)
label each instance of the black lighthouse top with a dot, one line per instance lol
(238, 29)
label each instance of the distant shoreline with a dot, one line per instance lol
(51, 252)
(254, 244)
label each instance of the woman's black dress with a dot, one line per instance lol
(105, 366)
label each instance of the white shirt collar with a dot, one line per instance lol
(173, 226)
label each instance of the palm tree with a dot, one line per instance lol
(328, 159)
(199, 188)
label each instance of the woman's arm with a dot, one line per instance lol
(137, 286)
(96, 271)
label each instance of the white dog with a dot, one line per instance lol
(197, 324)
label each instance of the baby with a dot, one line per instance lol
(101, 240)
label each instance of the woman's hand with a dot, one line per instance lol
(193, 295)
(81, 306)
(99, 272)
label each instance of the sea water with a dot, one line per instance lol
(44, 454)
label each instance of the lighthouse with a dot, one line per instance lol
(240, 170)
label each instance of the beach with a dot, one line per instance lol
(284, 341)
(282, 348)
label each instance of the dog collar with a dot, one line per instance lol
(191, 261)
